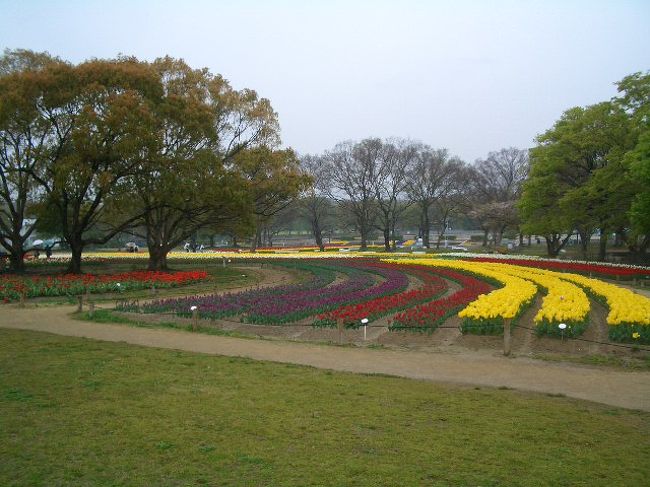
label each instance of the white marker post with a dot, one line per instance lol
(195, 318)
(562, 327)
(364, 322)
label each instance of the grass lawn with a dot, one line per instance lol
(80, 412)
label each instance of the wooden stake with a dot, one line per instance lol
(507, 338)
(80, 305)
(91, 309)
(21, 303)
(339, 325)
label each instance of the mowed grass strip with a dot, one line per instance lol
(82, 412)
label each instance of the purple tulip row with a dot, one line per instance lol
(281, 304)
(356, 289)
(219, 306)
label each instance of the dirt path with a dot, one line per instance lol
(616, 388)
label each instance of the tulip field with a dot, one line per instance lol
(399, 292)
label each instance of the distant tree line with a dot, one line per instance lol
(588, 174)
(375, 184)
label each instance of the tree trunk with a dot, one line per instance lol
(364, 230)
(426, 228)
(499, 235)
(158, 258)
(318, 236)
(584, 243)
(76, 247)
(364, 239)
(256, 239)
(17, 261)
(386, 238)
(602, 246)
(486, 232)
(555, 243)
(551, 247)
(317, 232)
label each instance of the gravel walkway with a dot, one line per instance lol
(609, 386)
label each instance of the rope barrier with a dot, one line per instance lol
(611, 344)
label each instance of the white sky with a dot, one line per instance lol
(472, 76)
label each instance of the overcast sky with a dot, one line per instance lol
(471, 76)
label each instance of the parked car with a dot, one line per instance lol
(131, 247)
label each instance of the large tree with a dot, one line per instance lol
(354, 176)
(432, 177)
(93, 126)
(395, 159)
(581, 157)
(24, 138)
(102, 116)
(634, 99)
(313, 204)
(496, 186)
(190, 181)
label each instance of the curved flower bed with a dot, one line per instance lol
(12, 286)
(228, 304)
(351, 315)
(360, 287)
(428, 316)
(282, 304)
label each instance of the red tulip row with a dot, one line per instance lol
(431, 314)
(351, 315)
(578, 267)
(12, 287)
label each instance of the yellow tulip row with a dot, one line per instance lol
(625, 306)
(564, 301)
(228, 255)
(505, 302)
